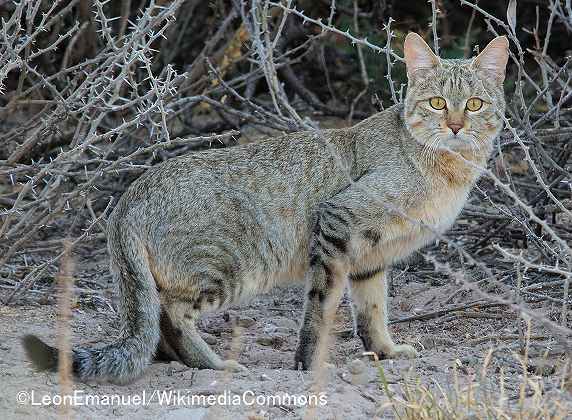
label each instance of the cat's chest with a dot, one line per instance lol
(438, 211)
(411, 228)
(420, 224)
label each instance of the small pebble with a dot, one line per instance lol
(285, 323)
(271, 341)
(470, 360)
(356, 366)
(170, 369)
(245, 322)
(358, 372)
(209, 339)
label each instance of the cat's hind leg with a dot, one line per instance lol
(182, 341)
(165, 352)
(369, 302)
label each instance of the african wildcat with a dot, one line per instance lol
(206, 230)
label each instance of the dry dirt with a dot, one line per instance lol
(266, 346)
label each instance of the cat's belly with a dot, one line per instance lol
(287, 264)
(403, 246)
(257, 282)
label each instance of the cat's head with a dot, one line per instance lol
(454, 104)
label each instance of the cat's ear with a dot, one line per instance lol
(492, 60)
(418, 54)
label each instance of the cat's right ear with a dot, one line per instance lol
(418, 55)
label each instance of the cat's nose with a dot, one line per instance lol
(455, 127)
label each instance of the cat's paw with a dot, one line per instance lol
(302, 362)
(304, 356)
(402, 351)
(233, 366)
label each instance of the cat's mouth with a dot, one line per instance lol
(464, 141)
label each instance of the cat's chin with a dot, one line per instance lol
(459, 144)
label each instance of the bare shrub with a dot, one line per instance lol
(91, 100)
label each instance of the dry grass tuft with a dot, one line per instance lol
(476, 398)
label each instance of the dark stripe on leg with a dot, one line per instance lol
(316, 293)
(339, 243)
(364, 275)
(372, 236)
(337, 217)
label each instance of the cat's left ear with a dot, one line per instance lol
(492, 60)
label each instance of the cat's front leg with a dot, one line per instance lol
(369, 302)
(326, 281)
(325, 289)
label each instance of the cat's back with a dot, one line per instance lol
(270, 156)
(388, 121)
(291, 172)
(298, 157)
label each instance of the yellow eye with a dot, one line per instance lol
(437, 102)
(474, 104)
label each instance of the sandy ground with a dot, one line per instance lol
(266, 346)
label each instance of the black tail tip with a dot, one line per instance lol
(43, 357)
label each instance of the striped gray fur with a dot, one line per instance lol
(200, 232)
